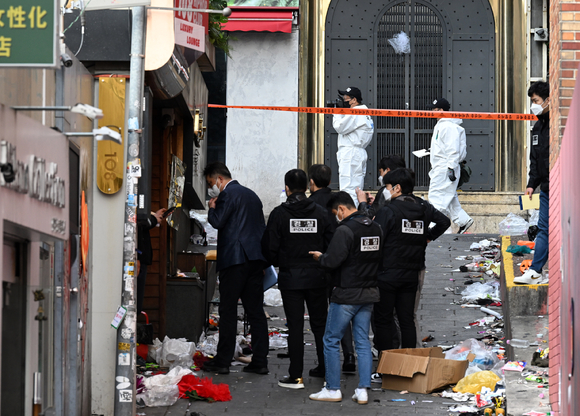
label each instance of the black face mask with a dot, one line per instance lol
(345, 103)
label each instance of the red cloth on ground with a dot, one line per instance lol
(204, 388)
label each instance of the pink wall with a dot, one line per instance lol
(565, 256)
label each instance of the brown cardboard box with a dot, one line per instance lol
(419, 370)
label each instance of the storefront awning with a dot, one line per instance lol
(260, 19)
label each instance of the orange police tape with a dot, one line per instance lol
(388, 113)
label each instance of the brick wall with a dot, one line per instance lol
(564, 58)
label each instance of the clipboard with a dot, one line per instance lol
(527, 203)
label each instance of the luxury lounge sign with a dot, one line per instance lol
(191, 27)
(35, 178)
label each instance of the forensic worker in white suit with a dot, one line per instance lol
(448, 150)
(355, 133)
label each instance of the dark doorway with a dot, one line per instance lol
(13, 326)
(452, 54)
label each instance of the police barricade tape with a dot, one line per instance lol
(387, 113)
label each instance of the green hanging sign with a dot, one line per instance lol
(28, 33)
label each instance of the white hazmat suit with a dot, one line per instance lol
(355, 133)
(448, 150)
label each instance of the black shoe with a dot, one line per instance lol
(283, 355)
(464, 228)
(211, 367)
(250, 368)
(317, 372)
(349, 365)
(291, 383)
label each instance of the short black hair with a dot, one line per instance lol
(320, 175)
(403, 177)
(392, 162)
(340, 198)
(296, 180)
(217, 168)
(540, 88)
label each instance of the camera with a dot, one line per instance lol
(338, 103)
(66, 60)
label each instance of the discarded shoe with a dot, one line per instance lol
(326, 395)
(360, 396)
(291, 383)
(251, 368)
(530, 277)
(463, 229)
(376, 378)
(349, 365)
(212, 367)
(317, 372)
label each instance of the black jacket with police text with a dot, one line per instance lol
(294, 228)
(355, 254)
(405, 222)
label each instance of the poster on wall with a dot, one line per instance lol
(175, 189)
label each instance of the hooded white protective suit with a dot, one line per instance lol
(354, 135)
(448, 150)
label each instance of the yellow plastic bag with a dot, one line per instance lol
(473, 383)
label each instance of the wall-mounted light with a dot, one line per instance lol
(84, 109)
(103, 133)
(198, 127)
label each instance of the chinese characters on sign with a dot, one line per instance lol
(28, 33)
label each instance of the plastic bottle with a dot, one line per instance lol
(519, 343)
(283, 197)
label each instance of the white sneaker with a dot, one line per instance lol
(376, 378)
(326, 395)
(360, 396)
(530, 277)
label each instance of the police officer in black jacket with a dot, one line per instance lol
(383, 197)
(405, 223)
(355, 254)
(539, 93)
(294, 228)
(319, 177)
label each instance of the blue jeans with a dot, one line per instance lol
(339, 316)
(542, 240)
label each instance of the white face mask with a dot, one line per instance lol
(387, 194)
(338, 219)
(381, 180)
(214, 191)
(536, 109)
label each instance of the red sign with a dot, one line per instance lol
(190, 27)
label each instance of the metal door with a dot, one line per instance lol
(408, 81)
(452, 54)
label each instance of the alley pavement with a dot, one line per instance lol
(254, 394)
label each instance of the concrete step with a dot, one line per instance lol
(487, 209)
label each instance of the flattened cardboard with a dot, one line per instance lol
(419, 370)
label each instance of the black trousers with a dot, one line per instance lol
(317, 304)
(246, 282)
(397, 294)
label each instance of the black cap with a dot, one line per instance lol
(441, 103)
(353, 92)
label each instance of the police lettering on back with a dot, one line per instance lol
(304, 226)
(413, 227)
(370, 243)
